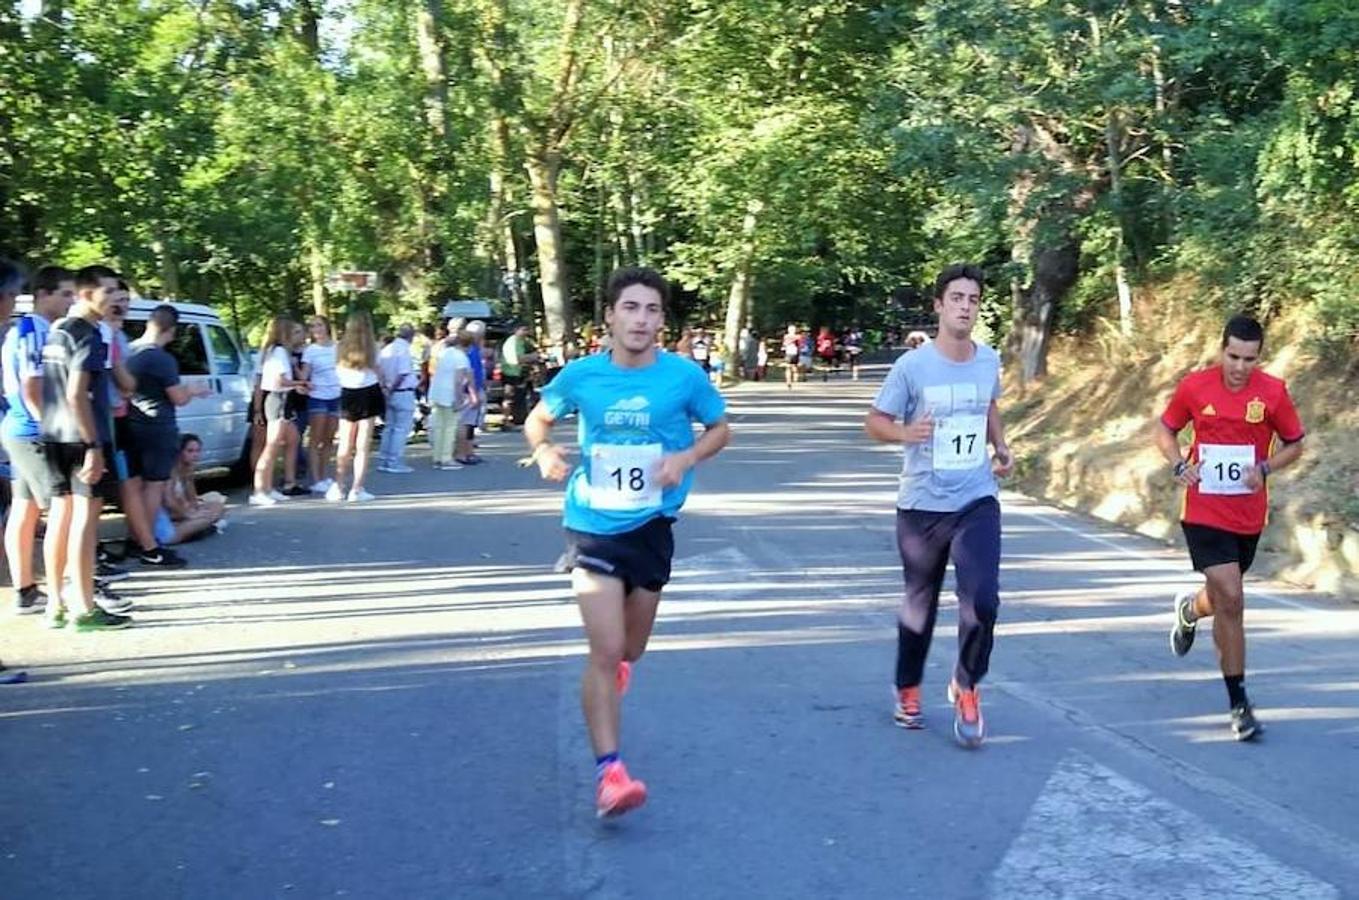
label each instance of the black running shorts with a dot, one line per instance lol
(1209, 546)
(639, 558)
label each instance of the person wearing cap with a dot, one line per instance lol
(399, 380)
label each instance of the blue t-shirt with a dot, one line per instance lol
(629, 418)
(21, 357)
(478, 364)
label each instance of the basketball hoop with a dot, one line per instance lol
(352, 281)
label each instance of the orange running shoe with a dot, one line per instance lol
(623, 677)
(968, 726)
(618, 792)
(907, 713)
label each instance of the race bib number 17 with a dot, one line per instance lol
(959, 442)
(622, 476)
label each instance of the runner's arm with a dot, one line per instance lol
(31, 388)
(1168, 443)
(886, 429)
(1004, 461)
(710, 442)
(1285, 456)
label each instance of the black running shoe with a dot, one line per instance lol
(296, 490)
(162, 558)
(1244, 725)
(109, 572)
(29, 601)
(1182, 632)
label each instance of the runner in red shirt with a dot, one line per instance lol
(1245, 427)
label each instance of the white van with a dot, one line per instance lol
(207, 353)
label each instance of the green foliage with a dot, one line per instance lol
(211, 149)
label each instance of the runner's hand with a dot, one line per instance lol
(919, 431)
(671, 469)
(552, 462)
(93, 468)
(1002, 462)
(1255, 479)
(1190, 475)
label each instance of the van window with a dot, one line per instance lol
(224, 353)
(187, 348)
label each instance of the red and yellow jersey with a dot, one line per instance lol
(1233, 430)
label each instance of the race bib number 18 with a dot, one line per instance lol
(959, 442)
(1223, 467)
(622, 476)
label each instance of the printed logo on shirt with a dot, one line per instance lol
(1209, 410)
(1255, 411)
(629, 413)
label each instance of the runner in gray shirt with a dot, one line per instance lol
(940, 403)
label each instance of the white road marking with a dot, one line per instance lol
(1094, 833)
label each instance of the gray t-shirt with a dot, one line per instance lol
(953, 469)
(155, 370)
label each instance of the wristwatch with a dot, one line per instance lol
(90, 446)
(1180, 468)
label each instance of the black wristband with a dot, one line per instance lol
(1180, 468)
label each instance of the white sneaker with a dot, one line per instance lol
(334, 493)
(322, 486)
(399, 469)
(278, 496)
(220, 526)
(450, 466)
(359, 496)
(262, 500)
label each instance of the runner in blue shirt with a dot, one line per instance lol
(636, 406)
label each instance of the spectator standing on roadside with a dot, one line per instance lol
(515, 356)
(450, 378)
(361, 402)
(277, 380)
(323, 402)
(53, 293)
(151, 418)
(397, 372)
(474, 414)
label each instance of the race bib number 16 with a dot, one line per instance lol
(959, 442)
(1223, 468)
(622, 476)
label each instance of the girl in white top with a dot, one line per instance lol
(276, 380)
(323, 403)
(361, 402)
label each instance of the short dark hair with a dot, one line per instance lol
(188, 438)
(48, 279)
(1243, 328)
(970, 271)
(165, 317)
(622, 279)
(89, 277)
(12, 276)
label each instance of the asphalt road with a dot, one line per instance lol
(380, 701)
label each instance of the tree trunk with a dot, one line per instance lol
(433, 63)
(1113, 143)
(168, 263)
(547, 230)
(738, 298)
(317, 265)
(1054, 272)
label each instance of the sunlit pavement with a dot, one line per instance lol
(379, 700)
